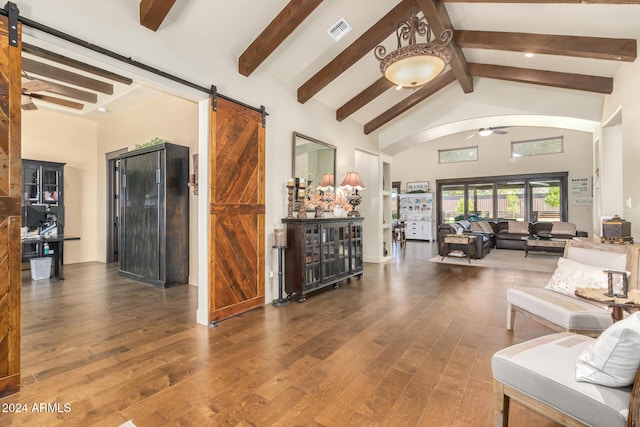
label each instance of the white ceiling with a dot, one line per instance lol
(197, 28)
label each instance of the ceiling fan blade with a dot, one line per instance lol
(27, 103)
(35, 86)
(58, 101)
(499, 132)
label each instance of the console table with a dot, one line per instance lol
(321, 252)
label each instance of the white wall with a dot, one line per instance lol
(420, 163)
(51, 137)
(626, 98)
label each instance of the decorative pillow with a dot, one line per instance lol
(571, 274)
(613, 359)
(486, 227)
(464, 223)
(563, 228)
(518, 227)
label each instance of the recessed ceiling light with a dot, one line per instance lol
(528, 55)
(102, 109)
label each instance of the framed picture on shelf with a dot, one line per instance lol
(418, 187)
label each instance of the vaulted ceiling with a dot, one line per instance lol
(576, 46)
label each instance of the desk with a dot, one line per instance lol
(56, 243)
(618, 305)
(458, 239)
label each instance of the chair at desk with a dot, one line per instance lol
(399, 233)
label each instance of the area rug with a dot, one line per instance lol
(506, 258)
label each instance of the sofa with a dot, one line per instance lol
(513, 234)
(483, 241)
(507, 234)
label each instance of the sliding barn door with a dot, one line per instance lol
(236, 210)
(10, 189)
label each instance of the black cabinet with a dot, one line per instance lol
(154, 214)
(321, 252)
(42, 203)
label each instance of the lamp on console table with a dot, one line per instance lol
(327, 182)
(352, 182)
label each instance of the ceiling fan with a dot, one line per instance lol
(31, 86)
(498, 130)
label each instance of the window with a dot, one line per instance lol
(480, 202)
(527, 197)
(452, 203)
(511, 200)
(467, 154)
(535, 147)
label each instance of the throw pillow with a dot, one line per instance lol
(518, 227)
(486, 227)
(613, 358)
(570, 274)
(475, 226)
(563, 229)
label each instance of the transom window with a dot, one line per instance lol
(455, 155)
(536, 147)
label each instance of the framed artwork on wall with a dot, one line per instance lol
(418, 187)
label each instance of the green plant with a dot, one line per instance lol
(154, 141)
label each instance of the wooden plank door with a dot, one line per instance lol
(236, 210)
(10, 193)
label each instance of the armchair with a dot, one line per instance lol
(540, 374)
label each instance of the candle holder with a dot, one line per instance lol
(290, 188)
(302, 209)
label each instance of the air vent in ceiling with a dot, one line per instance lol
(339, 29)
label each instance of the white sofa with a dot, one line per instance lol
(563, 313)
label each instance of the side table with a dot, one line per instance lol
(618, 305)
(457, 239)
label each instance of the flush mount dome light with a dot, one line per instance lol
(415, 64)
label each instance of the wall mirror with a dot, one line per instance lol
(312, 160)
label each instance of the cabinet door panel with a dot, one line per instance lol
(140, 215)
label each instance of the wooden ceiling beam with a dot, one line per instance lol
(64, 60)
(57, 101)
(610, 2)
(582, 82)
(438, 18)
(576, 46)
(45, 70)
(67, 91)
(440, 82)
(363, 98)
(289, 18)
(359, 48)
(153, 12)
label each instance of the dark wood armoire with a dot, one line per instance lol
(154, 214)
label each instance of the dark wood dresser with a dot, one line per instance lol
(321, 252)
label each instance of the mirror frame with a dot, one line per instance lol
(296, 136)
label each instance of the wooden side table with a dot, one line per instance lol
(457, 239)
(618, 305)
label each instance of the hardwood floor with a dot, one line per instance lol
(408, 345)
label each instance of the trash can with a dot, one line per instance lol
(40, 268)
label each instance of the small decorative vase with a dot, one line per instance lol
(319, 212)
(337, 212)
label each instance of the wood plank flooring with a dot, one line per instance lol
(408, 345)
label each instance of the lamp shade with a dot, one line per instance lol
(327, 182)
(352, 182)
